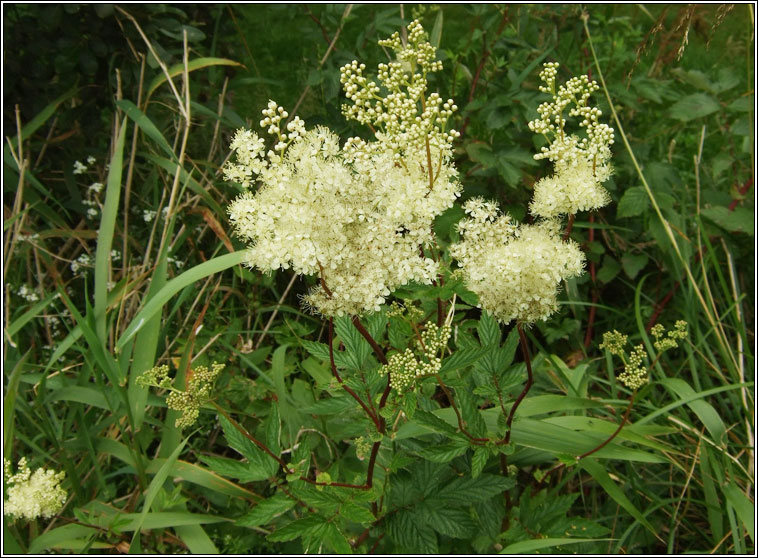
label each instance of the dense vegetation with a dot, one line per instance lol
(119, 257)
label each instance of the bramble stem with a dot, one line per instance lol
(529, 382)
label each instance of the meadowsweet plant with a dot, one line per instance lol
(359, 217)
(32, 494)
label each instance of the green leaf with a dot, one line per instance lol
(488, 330)
(335, 539)
(478, 461)
(633, 264)
(465, 490)
(243, 472)
(704, 410)
(156, 303)
(434, 423)
(355, 513)
(357, 348)
(267, 510)
(634, 202)
(600, 475)
(694, 106)
(105, 233)
(609, 269)
(196, 64)
(452, 522)
(62, 537)
(743, 506)
(196, 539)
(403, 528)
(191, 472)
(444, 453)
(258, 460)
(436, 35)
(462, 358)
(146, 125)
(152, 491)
(330, 406)
(298, 528)
(741, 219)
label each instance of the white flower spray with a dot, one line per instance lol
(356, 216)
(29, 495)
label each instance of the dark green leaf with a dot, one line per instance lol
(267, 510)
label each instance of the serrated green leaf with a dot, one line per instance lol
(300, 527)
(452, 522)
(464, 490)
(444, 453)
(462, 358)
(633, 264)
(336, 540)
(488, 330)
(694, 106)
(634, 202)
(434, 423)
(357, 348)
(258, 460)
(608, 270)
(358, 514)
(741, 219)
(478, 461)
(230, 468)
(266, 510)
(403, 528)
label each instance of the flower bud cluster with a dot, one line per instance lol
(198, 392)
(405, 120)
(671, 341)
(354, 216)
(515, 270)
(407, 367)
(32, 494)
(581, 163)
(635, 374)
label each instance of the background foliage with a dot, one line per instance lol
(105, 295)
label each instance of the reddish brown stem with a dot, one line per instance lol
(743, 190)
(569, 226)
(601, 446)
(250, 437)
(461, 426)
(371, 341)
(347, 388)
(529, 382)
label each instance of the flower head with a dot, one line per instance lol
(355, 216)
(515, 270)
(32, 494)
(581, 163)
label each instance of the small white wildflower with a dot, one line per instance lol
(95, 188)
(148, 215)
(79, 168)
(32, 495)
(91, 160)
(27, 294)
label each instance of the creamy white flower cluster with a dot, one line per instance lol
(32, 494)
(405, 120)
(356, 217)
(406, 367)
(581, 163)
(514, 269)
